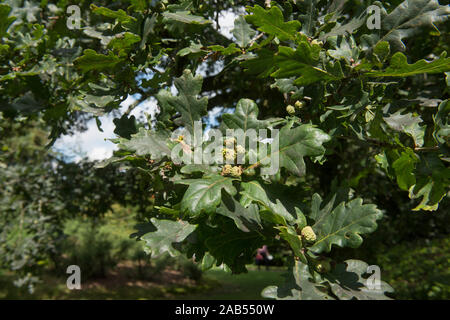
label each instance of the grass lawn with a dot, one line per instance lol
(216, 284)
(240, 287)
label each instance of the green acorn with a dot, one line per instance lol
(290, 109)
(229, 154)
(236, 172)
(299, 104)
(323, 266)
(229, 142)
(240, 149)
(250, 172)
(226, 170)
(308, 233)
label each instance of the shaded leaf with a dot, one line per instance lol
(186, 103)
(149, 25)
(347, 283)
(343, 224)
(192, 49)
(409, 18)
(204, 195)
(399, 67)
(93, 33)
(344, 29)
(168, 232)
(246, 219)
(147, 142)
(262, 65)
(298, 286)
(208, 261)
(142, 229)
(231, 49)
(425, 176)
(242, 32)
(233, 247)
(120, 15)
(193, 168)
(125, 126)
(432, 181)
(441, 123)
(253, 192)
(245, 117)
(295, 241)
(409, 124)
(271, 21)
(294, 145)
(310, 18)
(300, 63)
(107, 162)
(5, 20)
(185, 17)
(344, 49)
(123, 41)
(404, 169)
(91, 60)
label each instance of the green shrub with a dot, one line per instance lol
(89, 248)
(187, 267)
(190, 269)
(98, 245)
(418, 270)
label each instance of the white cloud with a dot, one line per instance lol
(90, 143)
(226, 22)
(93, 143)
(100, 153)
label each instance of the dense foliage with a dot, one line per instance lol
(362, 116)
(40, 192)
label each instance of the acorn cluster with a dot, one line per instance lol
(291, 110)
(234, 171)
(230, 153)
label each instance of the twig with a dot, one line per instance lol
(425, 149)
(256, 38)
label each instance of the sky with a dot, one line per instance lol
(95, 145)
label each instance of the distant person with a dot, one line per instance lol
(263, 257)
